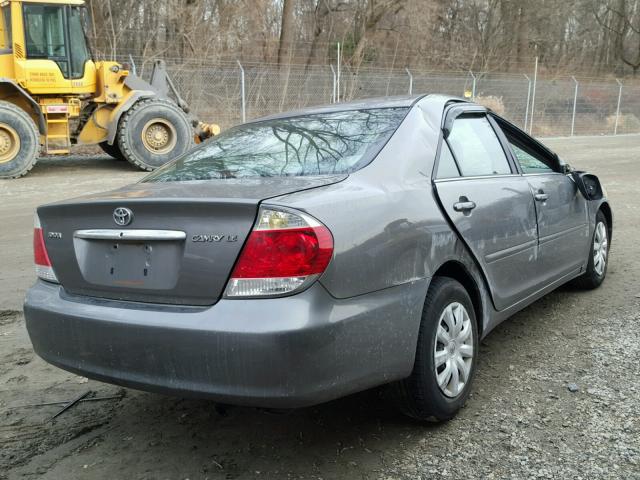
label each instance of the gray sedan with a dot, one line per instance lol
(305, 256)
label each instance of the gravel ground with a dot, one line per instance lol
(557, 393)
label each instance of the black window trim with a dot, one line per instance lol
(506, 146)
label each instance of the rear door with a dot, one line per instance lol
(561, 209)
(490, 204)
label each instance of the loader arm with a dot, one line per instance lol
(161, 82)
(117, 92)
(120, 90)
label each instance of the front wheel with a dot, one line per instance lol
(598, 256)
(446, 355)
(153, 132)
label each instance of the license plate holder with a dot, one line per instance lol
(130, 264)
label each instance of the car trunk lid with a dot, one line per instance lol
(180, 244)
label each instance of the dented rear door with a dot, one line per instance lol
(491, 207)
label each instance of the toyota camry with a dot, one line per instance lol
(305, 256)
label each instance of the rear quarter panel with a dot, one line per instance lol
(387, 226)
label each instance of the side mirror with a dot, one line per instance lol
(589, 185)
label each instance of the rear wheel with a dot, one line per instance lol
(598, 256)
(112, 150)
(446, 354)
(19, 141)
(153, 132)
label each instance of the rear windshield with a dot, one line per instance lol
(318, 144)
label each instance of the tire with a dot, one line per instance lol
(112, 150)
(19, 141)
(149, 153)
(420, 396)
(595, 274)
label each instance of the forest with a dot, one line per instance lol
(591, 37)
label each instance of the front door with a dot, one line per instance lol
(562, 215)
(491, 206)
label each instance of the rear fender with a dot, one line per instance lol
(458, 253)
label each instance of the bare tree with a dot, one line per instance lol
(368, 17)
(622, 19)
(595, 36)
(286, 31)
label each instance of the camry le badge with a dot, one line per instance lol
(214, 238)
(122, 216)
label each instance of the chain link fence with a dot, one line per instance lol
(230, 93)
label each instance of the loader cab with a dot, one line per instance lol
(48, 45)
(55, 32)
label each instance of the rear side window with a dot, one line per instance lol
(446, 164)
(316, 144)
(476, 147)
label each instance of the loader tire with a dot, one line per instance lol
(153, 132)
(112, 150)
(19, 141)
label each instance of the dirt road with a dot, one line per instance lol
(523, 420)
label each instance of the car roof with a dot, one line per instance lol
(380, 102)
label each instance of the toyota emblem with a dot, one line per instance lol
(122, 216)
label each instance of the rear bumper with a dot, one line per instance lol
(285, 352)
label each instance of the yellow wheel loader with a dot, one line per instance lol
(53, 95)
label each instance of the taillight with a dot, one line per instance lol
(40, 255)
(284, 254)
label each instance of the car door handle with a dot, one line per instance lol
(464, 206)
(541, 197)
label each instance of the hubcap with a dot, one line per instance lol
(9, 143)
(453, 351)
(600, 249)
(159, 136)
